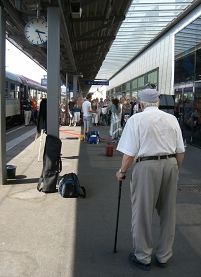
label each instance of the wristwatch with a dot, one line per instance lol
(120, 171)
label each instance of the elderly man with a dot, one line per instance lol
(153, 140)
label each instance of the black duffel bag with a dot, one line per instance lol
(69, 186)
(52, 165)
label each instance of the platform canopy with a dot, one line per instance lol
(97, 37)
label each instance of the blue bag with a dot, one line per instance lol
(93, 137)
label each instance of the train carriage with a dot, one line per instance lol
(12, 96)
(17, 89)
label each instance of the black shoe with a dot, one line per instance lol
(133, 260)
(161, 265)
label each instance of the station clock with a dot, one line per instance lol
(36, 31)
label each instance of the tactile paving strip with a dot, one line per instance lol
(14, 142)
(190, 189)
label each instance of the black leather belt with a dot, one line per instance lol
(154, 158)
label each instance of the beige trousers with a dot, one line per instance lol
(153, 185)
(27, 117)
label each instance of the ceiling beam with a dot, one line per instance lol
(15, 15)
(87, 2)
(94, 19)
(102, 27)
(96, 38)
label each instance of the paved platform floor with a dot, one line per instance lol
(45, 235)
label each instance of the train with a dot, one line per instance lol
(17, 89)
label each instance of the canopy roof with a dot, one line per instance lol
(97, 37)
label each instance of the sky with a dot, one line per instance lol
(18, 62)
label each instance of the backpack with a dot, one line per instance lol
(69, 186)
(52, 165)
(93, 137)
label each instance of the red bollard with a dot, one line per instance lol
(109, 149)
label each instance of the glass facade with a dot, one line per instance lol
(144, 21)
(187, 81)
(132, 87)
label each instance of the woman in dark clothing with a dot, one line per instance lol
(115, 127)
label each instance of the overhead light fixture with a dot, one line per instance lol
(76, 10)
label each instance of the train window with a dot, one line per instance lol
(12, 86)
(12, 94)
(21, 91)
(17, 93)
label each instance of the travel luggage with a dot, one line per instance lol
(69, 186)
(109, 149)
(52, 165)
(93, 137)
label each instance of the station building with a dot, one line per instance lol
(171, 61)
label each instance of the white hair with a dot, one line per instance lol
(147, 104)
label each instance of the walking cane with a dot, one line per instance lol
(119, 197)
(41, 138)
(34, 143)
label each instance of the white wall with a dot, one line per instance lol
(159, 55)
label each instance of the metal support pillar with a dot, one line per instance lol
(53, 71)
(3, 171)
(75, 86)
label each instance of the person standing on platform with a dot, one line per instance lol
(94, 107)
(87, 115)
(70, 110)
(115, 126)
(76, 112)
(62, 108)
(153, 140)
(27, 110)
(35, 110)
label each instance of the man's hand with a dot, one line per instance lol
(120, 176)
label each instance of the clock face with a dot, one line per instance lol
(36, 31)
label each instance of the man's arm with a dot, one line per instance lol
(126, 162)
(90, 110)
(179, 158)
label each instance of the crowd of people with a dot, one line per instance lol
(112, 112)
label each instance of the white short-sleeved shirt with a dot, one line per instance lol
(151, 133)
(85, 106)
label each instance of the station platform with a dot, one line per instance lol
(45, 235)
